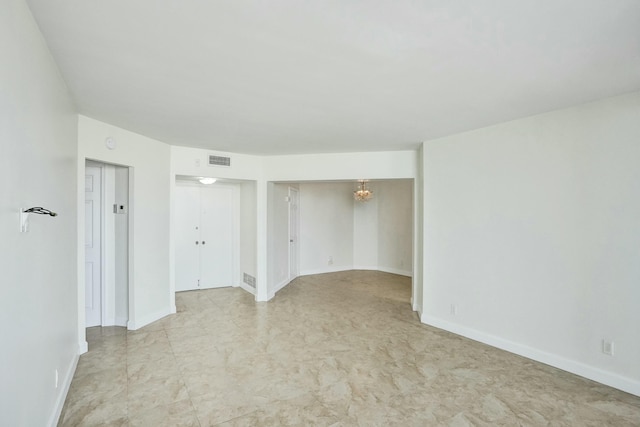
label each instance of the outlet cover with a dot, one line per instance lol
(607, 347)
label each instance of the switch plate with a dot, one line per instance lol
(119, 209)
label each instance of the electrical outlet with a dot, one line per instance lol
(607, 347)
(453, 309)
(330, 260)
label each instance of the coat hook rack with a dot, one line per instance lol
(24, 216)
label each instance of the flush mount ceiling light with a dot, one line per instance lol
(362, 194)
(207, 181)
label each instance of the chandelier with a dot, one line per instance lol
(362, 194)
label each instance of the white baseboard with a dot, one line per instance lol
(248, 288)
(83, 347)
(396, 271)
(416, 307)
(64, 390)
(328, 269)
(364, 267)
(135, 324)
(278, 287)
(115, 321)
(578, 368)
(332, 269)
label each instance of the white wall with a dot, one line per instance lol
(531, 228)
(115, 242)
(248, 212)
(341, 166)
(418, 236)
(121, 250)
(38, 298)
(195, 162)
(395, 226)
(326, 227)
(149, 292)
(365, 230)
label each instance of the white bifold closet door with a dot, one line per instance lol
(204, 236)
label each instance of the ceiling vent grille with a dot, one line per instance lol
(219, 161)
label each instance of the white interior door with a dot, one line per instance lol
(216, 237)
(187, 227)
(293, 233)
(92, 245)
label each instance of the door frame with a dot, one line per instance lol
(100, 166)
(293, 194)
(101, 232)
(104, 210)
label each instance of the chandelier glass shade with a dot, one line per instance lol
(362, 194)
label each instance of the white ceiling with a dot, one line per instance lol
(293, 76)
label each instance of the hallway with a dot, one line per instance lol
(332, 349)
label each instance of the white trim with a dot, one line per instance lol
(130, 252)
(296, 234)
(142, 321)
(396, 271)
(608, 378)
(120, 321)
(83, 347)
(278, 287)
(247, 288)
(64, 390)
(103, 244)
(326, 270)
(355, 267)
(365, 267)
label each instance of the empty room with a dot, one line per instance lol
(320, 213)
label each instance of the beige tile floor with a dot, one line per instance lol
(335, 349)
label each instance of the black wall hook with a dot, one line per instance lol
(40, 211)
(24, 216)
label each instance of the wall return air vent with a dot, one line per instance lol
(219, 161)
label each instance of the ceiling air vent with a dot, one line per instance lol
(219, 161)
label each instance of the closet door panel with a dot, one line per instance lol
(217, 243)
(187, 226)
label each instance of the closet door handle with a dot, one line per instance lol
(197, 242)
(203, 242)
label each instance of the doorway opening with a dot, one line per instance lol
(328, 231)
(107, 224)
